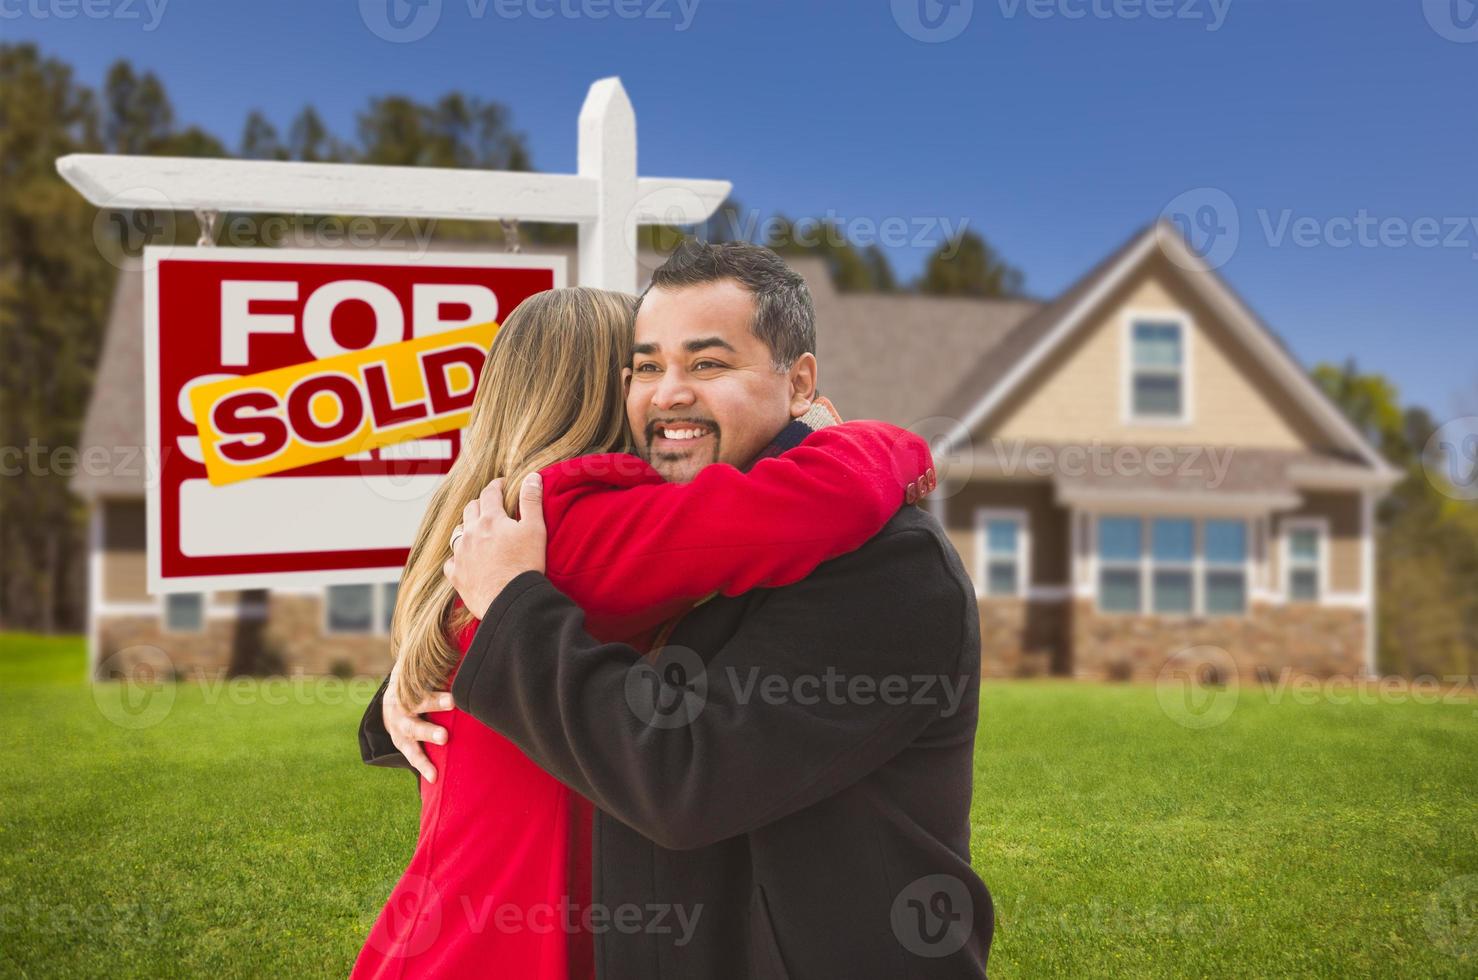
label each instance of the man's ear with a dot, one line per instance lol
(802, 384)
(625, 380)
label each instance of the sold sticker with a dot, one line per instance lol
(325, 409)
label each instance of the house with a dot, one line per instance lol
(1134, 468)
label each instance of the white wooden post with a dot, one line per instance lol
(607, 156)
(605, 198)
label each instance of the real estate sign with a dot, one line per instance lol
(303, 405)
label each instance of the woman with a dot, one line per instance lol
(500, 877)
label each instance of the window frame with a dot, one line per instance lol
(1320, 564)
(983, 517)
(166, 626)
(1146, 565)
(381, 610)
(1129, 371)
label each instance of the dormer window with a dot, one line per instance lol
(1156, 379)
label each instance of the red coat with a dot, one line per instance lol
(499, 883)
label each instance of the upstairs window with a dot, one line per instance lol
(1157, 389)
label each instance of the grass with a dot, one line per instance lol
(236, 833)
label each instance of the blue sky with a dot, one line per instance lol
(1054, 127)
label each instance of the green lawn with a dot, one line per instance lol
(231, 831)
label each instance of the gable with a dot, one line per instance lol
(1079, 393)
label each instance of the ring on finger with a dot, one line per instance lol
(456, 535)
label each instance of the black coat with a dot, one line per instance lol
(793, 775)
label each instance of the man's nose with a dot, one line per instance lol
(673, 391)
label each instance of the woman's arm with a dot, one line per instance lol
(633, 550)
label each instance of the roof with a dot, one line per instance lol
(881, 356)
(1008, 366)
(115, 413)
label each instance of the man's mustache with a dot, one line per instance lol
(675, 422)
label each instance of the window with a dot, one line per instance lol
(350, 608)
(1001, 540)
(359, 608)
(184, 612)
(1173, 548)
(1225, 552)
(1120, 543)
(388, 593)
(1157, 371)
(1304, 557)
(1172, 566)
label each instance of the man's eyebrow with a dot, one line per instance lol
(691, 346)
(703, 343)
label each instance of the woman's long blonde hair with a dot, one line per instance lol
(550, 390)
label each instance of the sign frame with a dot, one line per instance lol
(279, 581)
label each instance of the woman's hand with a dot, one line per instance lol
(492, 549)
(408, 730)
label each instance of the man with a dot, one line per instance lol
(792, 777)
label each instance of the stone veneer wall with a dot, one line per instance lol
(290, 641)
(1316, 640)
(1022, 639)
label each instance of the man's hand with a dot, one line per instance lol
(408, 730)
(493, 549)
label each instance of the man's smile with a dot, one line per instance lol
(680, 435)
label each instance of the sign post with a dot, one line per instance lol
(302, 404)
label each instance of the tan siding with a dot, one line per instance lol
(125, 571)
(1078, 396)
(1342, 511)
(1049, 524)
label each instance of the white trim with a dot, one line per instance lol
(1198, 566)
(994, 395)
(94, 584)
(1368, 577)
(1175, 501)
(1048, 593)
(377, 612)
(1320, 525)
(1187, 327)
(1239, 318)
(984, 515)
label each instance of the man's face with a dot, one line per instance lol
(703, 388)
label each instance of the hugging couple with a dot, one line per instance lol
(689, 680)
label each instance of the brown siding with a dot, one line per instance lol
(1049, 524)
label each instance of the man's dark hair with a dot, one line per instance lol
(783, 315)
